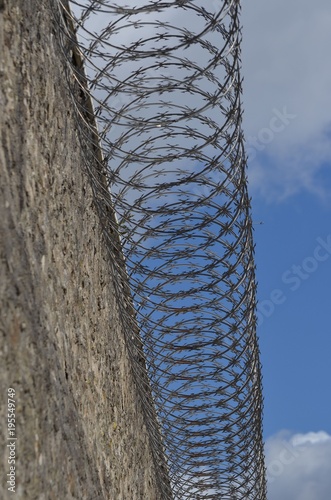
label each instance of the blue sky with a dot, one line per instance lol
(294, 328)
(287, 102)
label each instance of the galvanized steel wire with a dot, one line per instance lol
(168, 159)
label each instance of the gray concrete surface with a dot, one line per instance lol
(79, 425)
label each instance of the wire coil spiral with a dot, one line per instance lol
(164, 79)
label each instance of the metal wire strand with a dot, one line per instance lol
(164, 80)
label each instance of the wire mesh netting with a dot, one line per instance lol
(169, 161)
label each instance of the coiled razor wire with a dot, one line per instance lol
(164, 80)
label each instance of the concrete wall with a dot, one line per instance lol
(80, 428)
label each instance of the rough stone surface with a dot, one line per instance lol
(80, 429)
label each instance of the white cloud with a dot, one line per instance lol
(299, 466)
(285, 54)
(310, 438)
(279, 174)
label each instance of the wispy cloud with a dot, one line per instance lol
(299, 466)
(285, 49)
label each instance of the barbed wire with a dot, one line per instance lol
(156, 88)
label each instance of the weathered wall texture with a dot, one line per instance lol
(80, 430)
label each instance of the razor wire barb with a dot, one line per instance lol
(159, 97)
